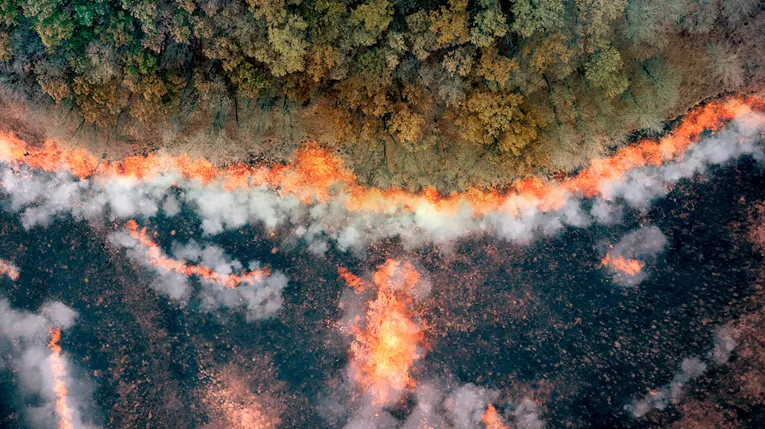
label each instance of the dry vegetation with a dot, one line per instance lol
(445, 93)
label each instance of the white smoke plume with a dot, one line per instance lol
(260, 297)
(724, 343)
(526, 416)
(639, 245)
(642, 186)
(690, 369)
(438, 404)
(467, 404)
(23, 343)
(40, 197)
(429, 397)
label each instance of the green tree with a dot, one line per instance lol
(537, 16)
(605, 71)
(51, 19)
(371, 18)
(489, 24)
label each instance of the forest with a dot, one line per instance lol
(451, 94)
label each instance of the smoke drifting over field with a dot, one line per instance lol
(690, 369)
(626, 258)
(318, 201)
(43, 372)
(554, 304)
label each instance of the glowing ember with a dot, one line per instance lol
(159, 259)
(384, 350)
(239, 409)
(234, 399)
(316, 173)
(491, 419)
(351, 280)
(627, 266)
(59, 385)
(7, 268)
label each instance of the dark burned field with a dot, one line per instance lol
(543, 321)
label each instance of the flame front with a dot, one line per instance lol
(58, 369)
(385, 348)
(627, 266)
(316, 172)
(159, 259)
(491, 419)
(9, 269)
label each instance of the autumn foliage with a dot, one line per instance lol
(448, 93)
(317, 175)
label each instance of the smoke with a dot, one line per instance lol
(23, 339)
(724, 342)
(385, 333)
(470, 406)
(466, 405)
(436, 404)
(258, 292)
(379, 313)
(242, 395)
(690, 369)
(59, 314)
(626, 259)
(387, 338)
(429, 397)
(352, 217)
(639, 187)
(526, 416)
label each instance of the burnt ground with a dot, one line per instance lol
(543, 320)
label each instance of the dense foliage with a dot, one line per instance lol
(412, 92)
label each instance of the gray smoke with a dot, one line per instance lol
(23, 346)
(438, 404)
(260, 299)
(723, 343)
(641, 245)
(40, 197)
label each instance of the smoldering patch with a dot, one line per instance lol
(626, 259)
(242, 394)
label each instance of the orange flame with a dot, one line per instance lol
(9, 269)
(315, 171)
(58, 369)
(384, 350)
(159, 259)
(351, 279)
(491, 419)
(619, 263)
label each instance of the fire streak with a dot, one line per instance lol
(7, 268)
(159, 259)
(619, 263)
(58, 369)
(316, 174)
(491, 419)
(385, 348)
(351, 280)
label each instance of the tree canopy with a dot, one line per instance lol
(489, 89)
